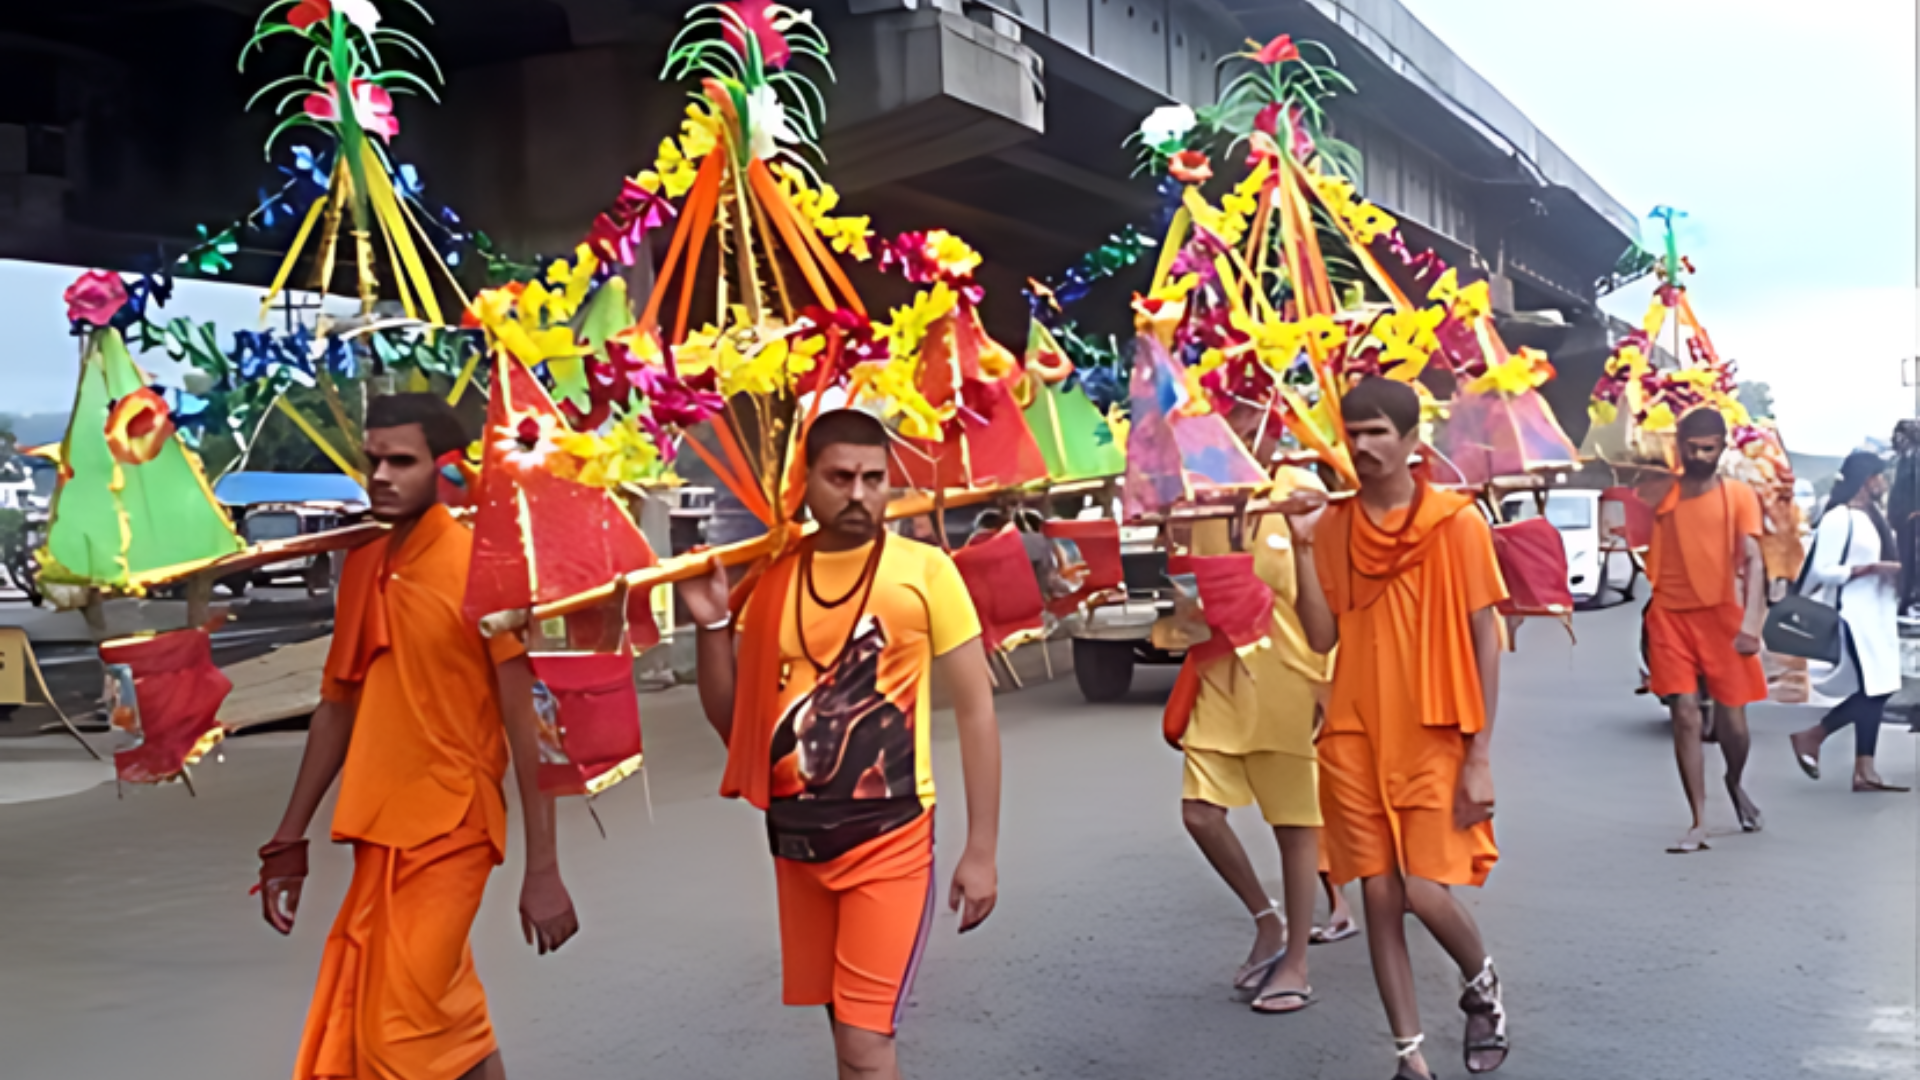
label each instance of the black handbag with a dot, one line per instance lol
(1804, 627)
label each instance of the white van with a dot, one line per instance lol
(1576, 513)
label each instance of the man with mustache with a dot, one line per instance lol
(1709, 605)
(826, 715)
(416, 716)
(1404, 580)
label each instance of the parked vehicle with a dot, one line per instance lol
(1575, 512)
(283, 521)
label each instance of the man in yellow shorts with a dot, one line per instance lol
(1248, 737)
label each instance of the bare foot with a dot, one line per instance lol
(1744, 809)
(1695, 840)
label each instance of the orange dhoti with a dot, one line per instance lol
(398, 997)
(1378, 824)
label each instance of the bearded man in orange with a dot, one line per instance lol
(827, 715)
(1404, 580)
(1709, 605)
(416, 716)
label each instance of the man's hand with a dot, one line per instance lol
(1746, 644)
(280, 901)
(283, 870)
(706, 596)
(977, 883)
(1303, 509)
(1473, 799)
(1887, 569)
(546, 912)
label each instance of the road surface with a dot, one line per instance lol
(131, 948)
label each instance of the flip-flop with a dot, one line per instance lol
(1809, 763)
(1332, 932)
(1304, 997)
(1257, 973)
(1688, 847)
(1875, 786)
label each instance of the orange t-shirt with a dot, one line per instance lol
(850, 750)
(428, 739)
(1691, 559)
(1404, 600)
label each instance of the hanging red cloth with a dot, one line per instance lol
(176, 692)
(1005, 592)
(590, 724)
(1238, 609)
(1533, 561)
(1098, 543)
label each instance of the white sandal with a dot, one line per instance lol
(1405, 1049)
(1480, 997)
(1255, 974)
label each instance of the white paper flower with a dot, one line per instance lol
(1167, 124)
(768, 121)
(360, 13)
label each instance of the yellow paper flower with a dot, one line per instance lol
(675, 167)
(1324, 334)
(1407, 339)
(520, 324)
(847, 235)
(1525, 370)
(769, 369)
(573, 281)
(1660, 418)
(951, 254)
(1602, 412)
(907, 326)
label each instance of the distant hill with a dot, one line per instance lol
(32, 429)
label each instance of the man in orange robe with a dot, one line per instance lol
(1404, 580)
(417, 713)
(1709, 605)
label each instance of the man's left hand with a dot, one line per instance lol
(1473, 799)
(1747, 644)
(546, 912)
(976, 884)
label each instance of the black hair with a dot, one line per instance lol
(1374, 397)
(1860, 467)
(1704, 422)
(843, 427)
(437, 420)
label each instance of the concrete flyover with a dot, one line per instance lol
(1002, 119)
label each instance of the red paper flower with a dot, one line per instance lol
(308, 12)
(1268, 118)
(1190, 167)
(138, 428)
(95, 298)
(372, 107)
(1278, 51)
(753, 15)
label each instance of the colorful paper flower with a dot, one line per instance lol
(1167, 127)
(1278, 51)
(767, 126)
(756, 17)
(1190, 167)
(308, 12)
(372, 107)
(95, 298)
(138, 427)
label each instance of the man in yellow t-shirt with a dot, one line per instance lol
(1249, 738)
(827, 720)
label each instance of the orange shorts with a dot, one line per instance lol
(852, 930)
(1405, 823)
(1685, 646)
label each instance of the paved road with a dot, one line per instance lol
(131, 949)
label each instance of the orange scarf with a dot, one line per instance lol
(756, 687)
(1361, 559)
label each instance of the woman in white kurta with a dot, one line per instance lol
(1853, 564)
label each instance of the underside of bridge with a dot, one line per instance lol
(122, 128)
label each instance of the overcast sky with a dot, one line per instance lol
(1785, 130)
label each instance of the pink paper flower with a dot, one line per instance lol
(754, 15)
(95, 298)
(372, 107)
